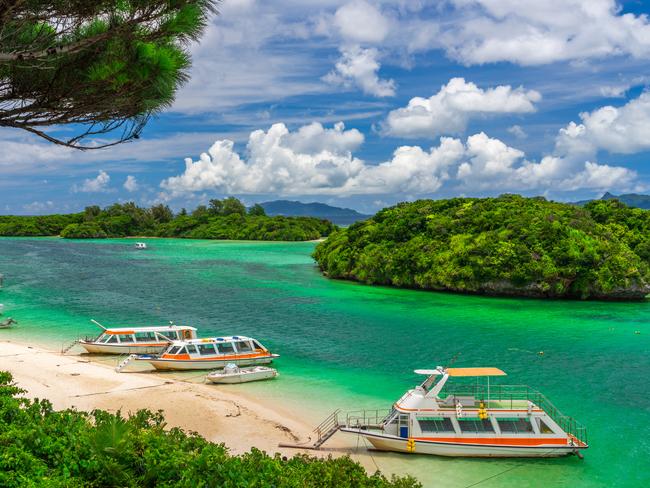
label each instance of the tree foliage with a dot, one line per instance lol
(123, 220)
(48, 448)
(503, 246)
(105, 66)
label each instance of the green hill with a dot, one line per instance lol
(509, 245)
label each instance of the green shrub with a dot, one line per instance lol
(48, 448)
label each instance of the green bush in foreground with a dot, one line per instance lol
(509, 245)
(43, 447)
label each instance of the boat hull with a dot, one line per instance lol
(383, 442)
(242, 377)
(94, 348)
(196, 364)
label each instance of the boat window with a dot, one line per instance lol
(206, 349)
(226, 348)
(126, 338)
(475, 425)
(515, 425)
(257, 345)
(191, 349)
(145, 337)
(243, 346)
(544, 428)
(112, 339)
(174, 350)
(442, 424)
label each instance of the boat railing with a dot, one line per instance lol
(512, 393)
(367, 418)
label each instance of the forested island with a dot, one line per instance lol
(221, 219)
(509, 245)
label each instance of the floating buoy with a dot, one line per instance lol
(541, 353)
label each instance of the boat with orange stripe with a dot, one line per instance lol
(135, 340)
(464, 420)
(210, 353)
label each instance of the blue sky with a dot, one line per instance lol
(364, 104)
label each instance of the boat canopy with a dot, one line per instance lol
(487, 371)
(162, 328)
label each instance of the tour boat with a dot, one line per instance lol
(140, 245)
(210, 353)
(469, 420)
(234, 374)
(136, 340)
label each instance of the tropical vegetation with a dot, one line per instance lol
(222, 219)
(509, 245)
(103, 67)
(68, 448)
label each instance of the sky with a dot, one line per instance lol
(363, 104)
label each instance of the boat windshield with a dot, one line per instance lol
(243, 346)
(145, 337)
(174, 349)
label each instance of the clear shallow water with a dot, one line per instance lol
(351, 346)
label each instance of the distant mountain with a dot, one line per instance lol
(340, 216)
(630, 199)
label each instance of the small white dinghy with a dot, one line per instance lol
(141, 245)
(232, 373)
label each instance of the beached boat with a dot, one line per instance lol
(8, 323)
(140, 245)
(210, 353)
(234, 374)
(136, 340)
(464, 420)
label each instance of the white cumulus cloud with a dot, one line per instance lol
(359, 68)
(94, 185)
(623, 130)
(314, 160)
(131, 184)
(530, 32)
(449, 110)
(359, 21)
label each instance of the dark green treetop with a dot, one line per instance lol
(104, 66)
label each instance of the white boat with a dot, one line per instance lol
(473, 420)
(6, 324)
(210, 353)
(136, 340)
(140, 245)
(234, 374)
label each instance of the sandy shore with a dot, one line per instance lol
(218, 414)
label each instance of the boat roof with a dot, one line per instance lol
(160, 328)
(210, 340)
(484, 371)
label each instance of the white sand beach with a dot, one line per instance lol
(218, 414)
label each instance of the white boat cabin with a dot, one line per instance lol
(212, 352)
(143, 340)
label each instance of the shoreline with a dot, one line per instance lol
(219, 414)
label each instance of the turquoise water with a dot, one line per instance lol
(350, 346)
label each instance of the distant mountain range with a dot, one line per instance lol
(629, 199)
(337, 215)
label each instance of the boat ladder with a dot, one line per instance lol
(323, 432)
(69, 346)
(125, 362)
